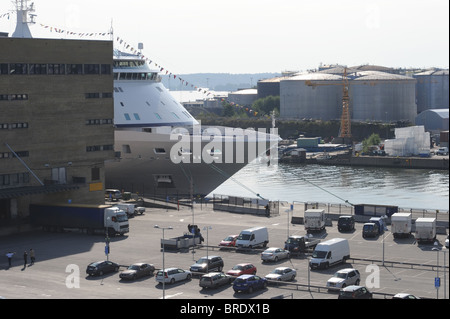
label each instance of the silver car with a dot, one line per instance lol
(343, 278)
(215, 279)
(282, 274)
(171, 275)
(274, 254)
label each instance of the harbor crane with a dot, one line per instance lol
(345, 133)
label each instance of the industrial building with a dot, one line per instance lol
(244, 97)
(433, 120)
(432, 90)
(374, 95)
(56, 122)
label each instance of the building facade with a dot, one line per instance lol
(56, 122)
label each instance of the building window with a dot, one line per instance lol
(91, 69)
(107, 95)
(56, 69)
(95, 173)
(3, 68)
(74, 69)
(92, 95)
(106, 69)
(18, 69)
(37, 68)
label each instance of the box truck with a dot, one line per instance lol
(330, 252)
(253, 237)
(425, 229)
(87, 218)
(401, 224)
(314, 220)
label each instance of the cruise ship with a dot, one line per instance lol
(160, 148)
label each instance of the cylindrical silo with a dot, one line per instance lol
(432, 90)
(380, 96)
(311, 96)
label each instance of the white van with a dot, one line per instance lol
(330, 252)
(252, 237)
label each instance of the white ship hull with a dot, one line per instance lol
(146, 166)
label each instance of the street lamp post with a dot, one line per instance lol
(437, 270)
(207, 228)
(163, 267)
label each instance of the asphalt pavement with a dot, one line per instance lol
(61, 260)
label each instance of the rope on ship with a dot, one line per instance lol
(235, 180)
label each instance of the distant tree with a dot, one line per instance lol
(267, 105)
(228, 110)
(373, 139)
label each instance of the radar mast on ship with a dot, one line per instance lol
(24, 18)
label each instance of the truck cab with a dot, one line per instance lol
(116, 221)
(295, 244)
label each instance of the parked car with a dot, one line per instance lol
(346, 223)
(248, 283)
(370, 230)
(403, 295)
(214, 280)
(343, 278)
(442, 151)
(274, 254)
(242, 269)
(138, 270)
(230, 241)
(282, 274)
(113, 194)
(207, 264)
(355, 292)
(446, 242)
(99, 268)
(171, 275)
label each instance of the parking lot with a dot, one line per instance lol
(61, 260)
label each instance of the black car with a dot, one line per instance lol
(137, 270)
(346, 223)
(355, 292)
(207, 264)
(99, 268)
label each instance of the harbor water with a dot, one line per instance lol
(406, 188)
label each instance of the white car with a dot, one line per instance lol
(274, 254)
(282, 274)
(343, 278)
(446, 242)
(171, 275)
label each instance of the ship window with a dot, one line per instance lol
(121, 103)
(148, 103)
(158, 116)
(159, 150)
(123, 76)
(136, 116)
(127, 116)
(174, 114)
(116, 90)
(159, 89)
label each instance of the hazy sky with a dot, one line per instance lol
(253, 36)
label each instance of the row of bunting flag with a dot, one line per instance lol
(129, 47)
